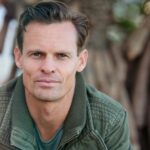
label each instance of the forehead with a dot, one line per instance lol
(65, 29)
(60, 34)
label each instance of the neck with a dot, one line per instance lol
(48, 115)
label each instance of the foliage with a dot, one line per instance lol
(127, 16)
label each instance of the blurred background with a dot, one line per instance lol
(119, 54)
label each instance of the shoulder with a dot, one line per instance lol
(5, 96)
(8, 87)
(105, 111)
(103, 101)
(6, 91)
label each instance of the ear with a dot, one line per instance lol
(18, 56)
(83, 57)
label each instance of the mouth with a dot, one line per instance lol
(47, 83)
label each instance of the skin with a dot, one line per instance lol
(49, 62)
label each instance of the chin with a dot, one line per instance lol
(45, 97)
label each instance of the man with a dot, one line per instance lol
(49, 106)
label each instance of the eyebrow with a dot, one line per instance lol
(66, 52)
(41, 51)
(29, 51)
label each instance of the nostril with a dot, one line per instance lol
(48, 69)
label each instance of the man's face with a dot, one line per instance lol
(49, 60)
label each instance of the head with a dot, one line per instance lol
(49, 38)
(51, 12)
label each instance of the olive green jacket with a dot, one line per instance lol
(94, 122)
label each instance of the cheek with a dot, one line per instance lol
(28, 76)
(29, 67)
(69, 68)
(29, 72)
(71, 65)
(69, 73)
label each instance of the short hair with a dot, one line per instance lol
(51, 12)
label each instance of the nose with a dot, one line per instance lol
(48, 66)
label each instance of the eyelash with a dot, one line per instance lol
(62, 55)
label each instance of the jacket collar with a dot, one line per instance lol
(18, 114)
(76, 118)
(22, 123)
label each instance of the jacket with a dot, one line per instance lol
(95, 121)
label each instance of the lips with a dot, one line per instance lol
(47, 82)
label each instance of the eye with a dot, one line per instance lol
(36, 54)
(62, 55)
